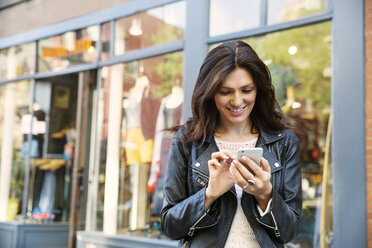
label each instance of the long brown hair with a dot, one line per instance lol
(219, 62)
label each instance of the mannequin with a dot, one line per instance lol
(169, 115)
(38, 130)
(138, 148)
(133, 111)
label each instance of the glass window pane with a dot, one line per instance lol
(152, 98)
(15, 99)
(69, 49)
(225, 17)
(17, 61)
(53, 135)
(287, 10)
(105, 39)
(152, 27)
(302, 81)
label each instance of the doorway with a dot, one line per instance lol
(62, 117)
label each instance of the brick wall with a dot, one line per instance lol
(368, 106)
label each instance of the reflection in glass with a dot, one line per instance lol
(69, 49)
(14, 98)
(225, 17)
(53, 132)
(17, 61)
(152, 27)
(302, 81)
(152, 97)
(45, 134)
(105, 39)
(287, 10)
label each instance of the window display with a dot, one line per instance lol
(48, 140)
(53, 114)
(151, 102)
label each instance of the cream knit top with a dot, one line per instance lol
(241, 233)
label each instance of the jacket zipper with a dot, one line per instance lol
(193, 227)
(207, 178)
(201, 174)
(276, 229)
(185, 244)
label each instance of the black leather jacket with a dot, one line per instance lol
(184, 216)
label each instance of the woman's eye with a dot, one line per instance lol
(247, 90)
(224, 92)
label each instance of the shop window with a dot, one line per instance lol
(17, 61)
(300, 64)
(45, 135)
(66, 50)
(152, 27)
(105, 41)
(151, 99)
(288, 10)
(14, 100)
(225, 17)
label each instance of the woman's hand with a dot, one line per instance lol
(220, 178)
(254, 179)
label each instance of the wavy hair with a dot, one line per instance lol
(219, 62)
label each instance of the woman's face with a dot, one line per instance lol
(235, 98)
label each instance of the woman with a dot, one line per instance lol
(208, 200)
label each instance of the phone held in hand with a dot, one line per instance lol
(253, 153)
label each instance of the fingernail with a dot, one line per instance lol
(235, 162)
(231, 168)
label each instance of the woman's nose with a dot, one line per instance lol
(236, 100)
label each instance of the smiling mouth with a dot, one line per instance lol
(237, 110)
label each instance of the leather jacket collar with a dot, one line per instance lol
(263, 139)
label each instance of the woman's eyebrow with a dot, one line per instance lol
(248, 85)
(244, 86)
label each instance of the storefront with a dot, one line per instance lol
(84, 102)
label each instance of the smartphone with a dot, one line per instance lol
(253, 153)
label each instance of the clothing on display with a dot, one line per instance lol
(169, 115)
(34, 148)
(37, 123)
(138, 150)
(140, 109)
(47, 193)
(139, 119)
